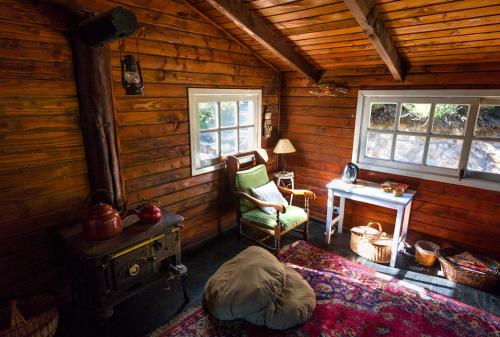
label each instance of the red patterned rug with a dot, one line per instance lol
(353, 300)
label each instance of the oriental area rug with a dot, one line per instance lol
(352, 301)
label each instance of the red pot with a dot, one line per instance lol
(101, 222)
(150, 214)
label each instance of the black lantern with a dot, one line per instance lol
(131, 74)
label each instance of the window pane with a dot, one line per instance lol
(488, 121)
(209, 148)
(409, 149)
(484, 157)
(207, 113)
(450, 119)
(444, 152)
(383, 116)
(247, 139)
(228, 114)
(247, 112)
(228, 142)
(379, 145)
(414, 117)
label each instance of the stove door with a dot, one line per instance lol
(131, 269)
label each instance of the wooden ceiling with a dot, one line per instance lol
(326, 33)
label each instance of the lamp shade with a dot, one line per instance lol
(284, 146)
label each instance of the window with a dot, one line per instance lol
(446, 135)
(222, 122)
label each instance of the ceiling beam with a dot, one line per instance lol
(229, 35)
(265, 35)
(366, 15)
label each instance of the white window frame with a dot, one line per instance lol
(196, 95)
(471, 97)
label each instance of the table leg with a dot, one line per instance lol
(341, 213)
(292, 181)
(406, 220)
(329, 214)
(395, 236)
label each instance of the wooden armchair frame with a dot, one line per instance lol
(234, 164)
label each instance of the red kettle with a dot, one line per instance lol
(101, 221)
(149, 213)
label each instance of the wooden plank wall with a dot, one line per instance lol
(42, 169)
(43, 173)
(154, 130)
(322, 130)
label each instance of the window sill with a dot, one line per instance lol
(195, 171)
(222, 165)
(469, 182)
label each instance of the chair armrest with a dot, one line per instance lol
(306, 193)
(279, 207)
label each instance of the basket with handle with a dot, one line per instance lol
(371, 243)
(453, 272)
(38, 317)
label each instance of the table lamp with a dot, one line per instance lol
(284, 146)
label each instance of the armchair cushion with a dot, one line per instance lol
(293, 217)
(269, 192)
(246, 180)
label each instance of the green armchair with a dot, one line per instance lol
(247, 171)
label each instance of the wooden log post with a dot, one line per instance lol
(95, 96)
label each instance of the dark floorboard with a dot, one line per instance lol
(159, 304)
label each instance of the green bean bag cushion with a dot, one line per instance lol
(294, 305)
(256, 287)
(245, 285)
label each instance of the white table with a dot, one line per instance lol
(371, 193)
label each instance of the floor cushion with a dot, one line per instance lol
(294, 305)
(256, 287)
(245, 285)
(291, 218)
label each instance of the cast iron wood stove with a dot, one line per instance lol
(107, 273)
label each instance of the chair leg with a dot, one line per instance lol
(306, 231)
(277, 247)
(277, 239)
(240, 231)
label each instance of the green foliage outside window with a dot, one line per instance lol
(450, 110)
(228, 113)
(207, 115)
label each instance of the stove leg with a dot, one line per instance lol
(102, 316)
(184, 290)
(104, 329)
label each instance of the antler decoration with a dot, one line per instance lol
(329, 89)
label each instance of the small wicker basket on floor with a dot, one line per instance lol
(483, 281)
(39, 318)
(370, 243)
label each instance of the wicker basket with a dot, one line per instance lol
(483, 281)
(39, 318)
(370, 243)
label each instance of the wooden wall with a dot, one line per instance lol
(42, 168)
(322, 130)
(154, 129)
(43, 173)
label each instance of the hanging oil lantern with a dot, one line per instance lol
(132, 80)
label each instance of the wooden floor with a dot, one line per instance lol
(407, 269)
(161, 303)
(428, 277)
